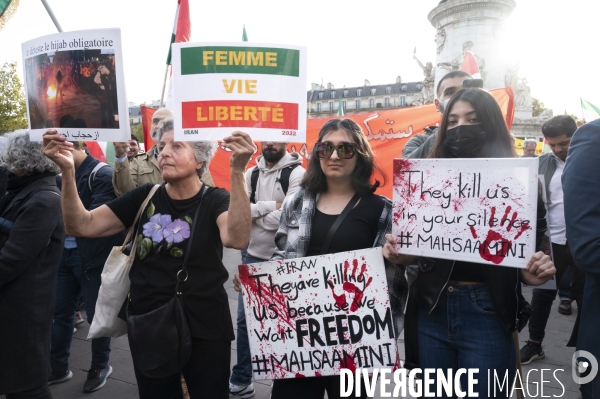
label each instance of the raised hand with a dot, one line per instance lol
(242, 148)
(57, 148)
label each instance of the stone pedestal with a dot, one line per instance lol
(523, 113)
(473, 25)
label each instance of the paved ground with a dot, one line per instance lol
(122, 382)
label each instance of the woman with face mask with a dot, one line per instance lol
(467, 312)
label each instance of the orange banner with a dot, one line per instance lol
(387, 132)
(147, 114)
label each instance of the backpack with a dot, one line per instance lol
(93, 173)
(283, 179)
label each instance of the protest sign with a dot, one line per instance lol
(473, 210)
(219, 88)
(74, 84)
(313, 316)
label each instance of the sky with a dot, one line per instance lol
(347, 41)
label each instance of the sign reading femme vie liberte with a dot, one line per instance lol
(223, 87)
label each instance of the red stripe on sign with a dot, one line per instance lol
(256, 114)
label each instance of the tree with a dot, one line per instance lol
(137, 131)
(537, 107)
(13, 112)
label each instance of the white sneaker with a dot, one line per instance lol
(241, 391)
(78, 318)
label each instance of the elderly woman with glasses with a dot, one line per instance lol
(31, 244)
(339, 173)
(164, 233)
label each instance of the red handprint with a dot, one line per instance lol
(502, 244)
(349, 287)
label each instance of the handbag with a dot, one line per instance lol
(160, 341)
(115, 284)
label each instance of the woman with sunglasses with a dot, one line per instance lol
(339, 172)
(467, 312)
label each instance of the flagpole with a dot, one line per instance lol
(162, 96)
(45, 3)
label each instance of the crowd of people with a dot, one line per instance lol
(454, 314)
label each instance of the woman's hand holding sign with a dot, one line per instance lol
(390, 253)
(540, 269)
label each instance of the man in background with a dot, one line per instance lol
(529, 147)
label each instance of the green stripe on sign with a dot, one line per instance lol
(259, 60)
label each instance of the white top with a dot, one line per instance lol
(556, 208)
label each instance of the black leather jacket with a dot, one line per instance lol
(504, 283)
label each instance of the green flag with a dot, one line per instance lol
(244, 35)
(590, 111)
(340, 107)
(7, 9)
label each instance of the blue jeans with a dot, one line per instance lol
(463, 331)
(72, 283)
(241, 374)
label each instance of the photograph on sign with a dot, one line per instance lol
(219, 88)
(472, 210)
(74, 84)
(313, 316)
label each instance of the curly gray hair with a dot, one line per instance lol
(204, 151)
(21, 156)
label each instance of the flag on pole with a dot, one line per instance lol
(7, 9)
(147, 114)
(470, 65)
(244, 35)
(182, 29)
(340, 107)
(590, 111)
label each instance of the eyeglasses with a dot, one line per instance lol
(325, 150)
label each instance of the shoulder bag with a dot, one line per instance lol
(115, 284)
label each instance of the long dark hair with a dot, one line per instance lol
(314, 179)
(498, 142)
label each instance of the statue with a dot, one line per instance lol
(523, 96)
(440, 39)
(458, 61)
(429, 80)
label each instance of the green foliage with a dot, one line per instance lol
(13, 111)
(537, 107)
(137, 131)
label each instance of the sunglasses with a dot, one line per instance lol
(325, 150)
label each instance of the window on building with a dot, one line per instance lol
(344, 105)
(388, 90)
(333, 94)
(331, 106)
(419, 86)
(346, 93)
(358, 92)
(320, 95)
(387, 102)
(372, 103)
(403, 88)
(357, 104)
(319, 107)
(402, 101)
(373, 91)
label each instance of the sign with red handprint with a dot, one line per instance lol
(473, 210)
(313, 316)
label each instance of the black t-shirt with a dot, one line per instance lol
(467, 271)
(357, 231)
(163, 233)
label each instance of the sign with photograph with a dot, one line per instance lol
(314, 316)
(472, 210)
(219, 88)
(74, 84)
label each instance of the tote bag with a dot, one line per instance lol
(115, 285)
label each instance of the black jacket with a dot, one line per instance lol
(94, 251)
(29, 260)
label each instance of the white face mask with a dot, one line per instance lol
(443, 105)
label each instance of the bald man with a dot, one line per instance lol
(142, 168)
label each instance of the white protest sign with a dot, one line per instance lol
(219, 88)
(313, 316)
(74, 83)
(473, 210)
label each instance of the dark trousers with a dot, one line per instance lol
(311, 388)
(36, 393)
(71, 284)
(206, 374)
(541, 302)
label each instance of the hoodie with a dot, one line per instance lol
(265, 215)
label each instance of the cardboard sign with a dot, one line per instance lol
(223, 87)
(74, 84)
(313, 316)
(473, 210)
